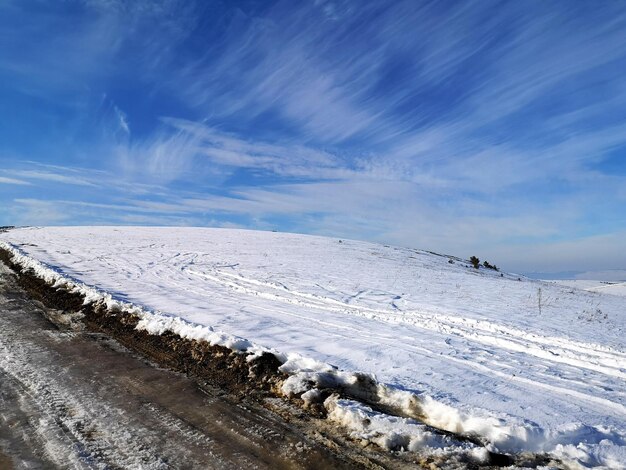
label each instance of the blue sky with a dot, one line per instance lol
(488, 128)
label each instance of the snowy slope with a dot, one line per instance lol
(526, 365)
(613, 287)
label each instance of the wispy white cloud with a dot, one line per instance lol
(5, 180)
(96, 41)
(37, 212)
(122, 120)
(70, 179)
(58, 176)
(183, 148)
(292, 62)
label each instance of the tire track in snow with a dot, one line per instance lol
(598, 403)
(553, 349)
(471, 330)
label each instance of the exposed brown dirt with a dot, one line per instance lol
(5, 462)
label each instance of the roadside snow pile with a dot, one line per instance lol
(520, 365)
(396, 433)
(153, 322)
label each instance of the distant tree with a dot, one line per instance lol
(488, 265)
(475, 262)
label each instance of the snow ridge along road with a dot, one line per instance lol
(71, 399)
(524, 365)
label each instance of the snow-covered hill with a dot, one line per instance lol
(526, 365)
(606, 287)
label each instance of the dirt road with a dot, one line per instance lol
(75, 399)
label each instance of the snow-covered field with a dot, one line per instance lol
(605, 287)
(527, 365)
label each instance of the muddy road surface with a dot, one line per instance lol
(74, 399)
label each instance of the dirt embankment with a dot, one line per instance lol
(217, 365)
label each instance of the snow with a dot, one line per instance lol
(396, 433)
(605, 287)
(525, 365)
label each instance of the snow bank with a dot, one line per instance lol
(522, 365)
(396, 433)
(155, 323)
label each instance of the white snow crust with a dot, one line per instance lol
(606, 287)
(525, 365)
